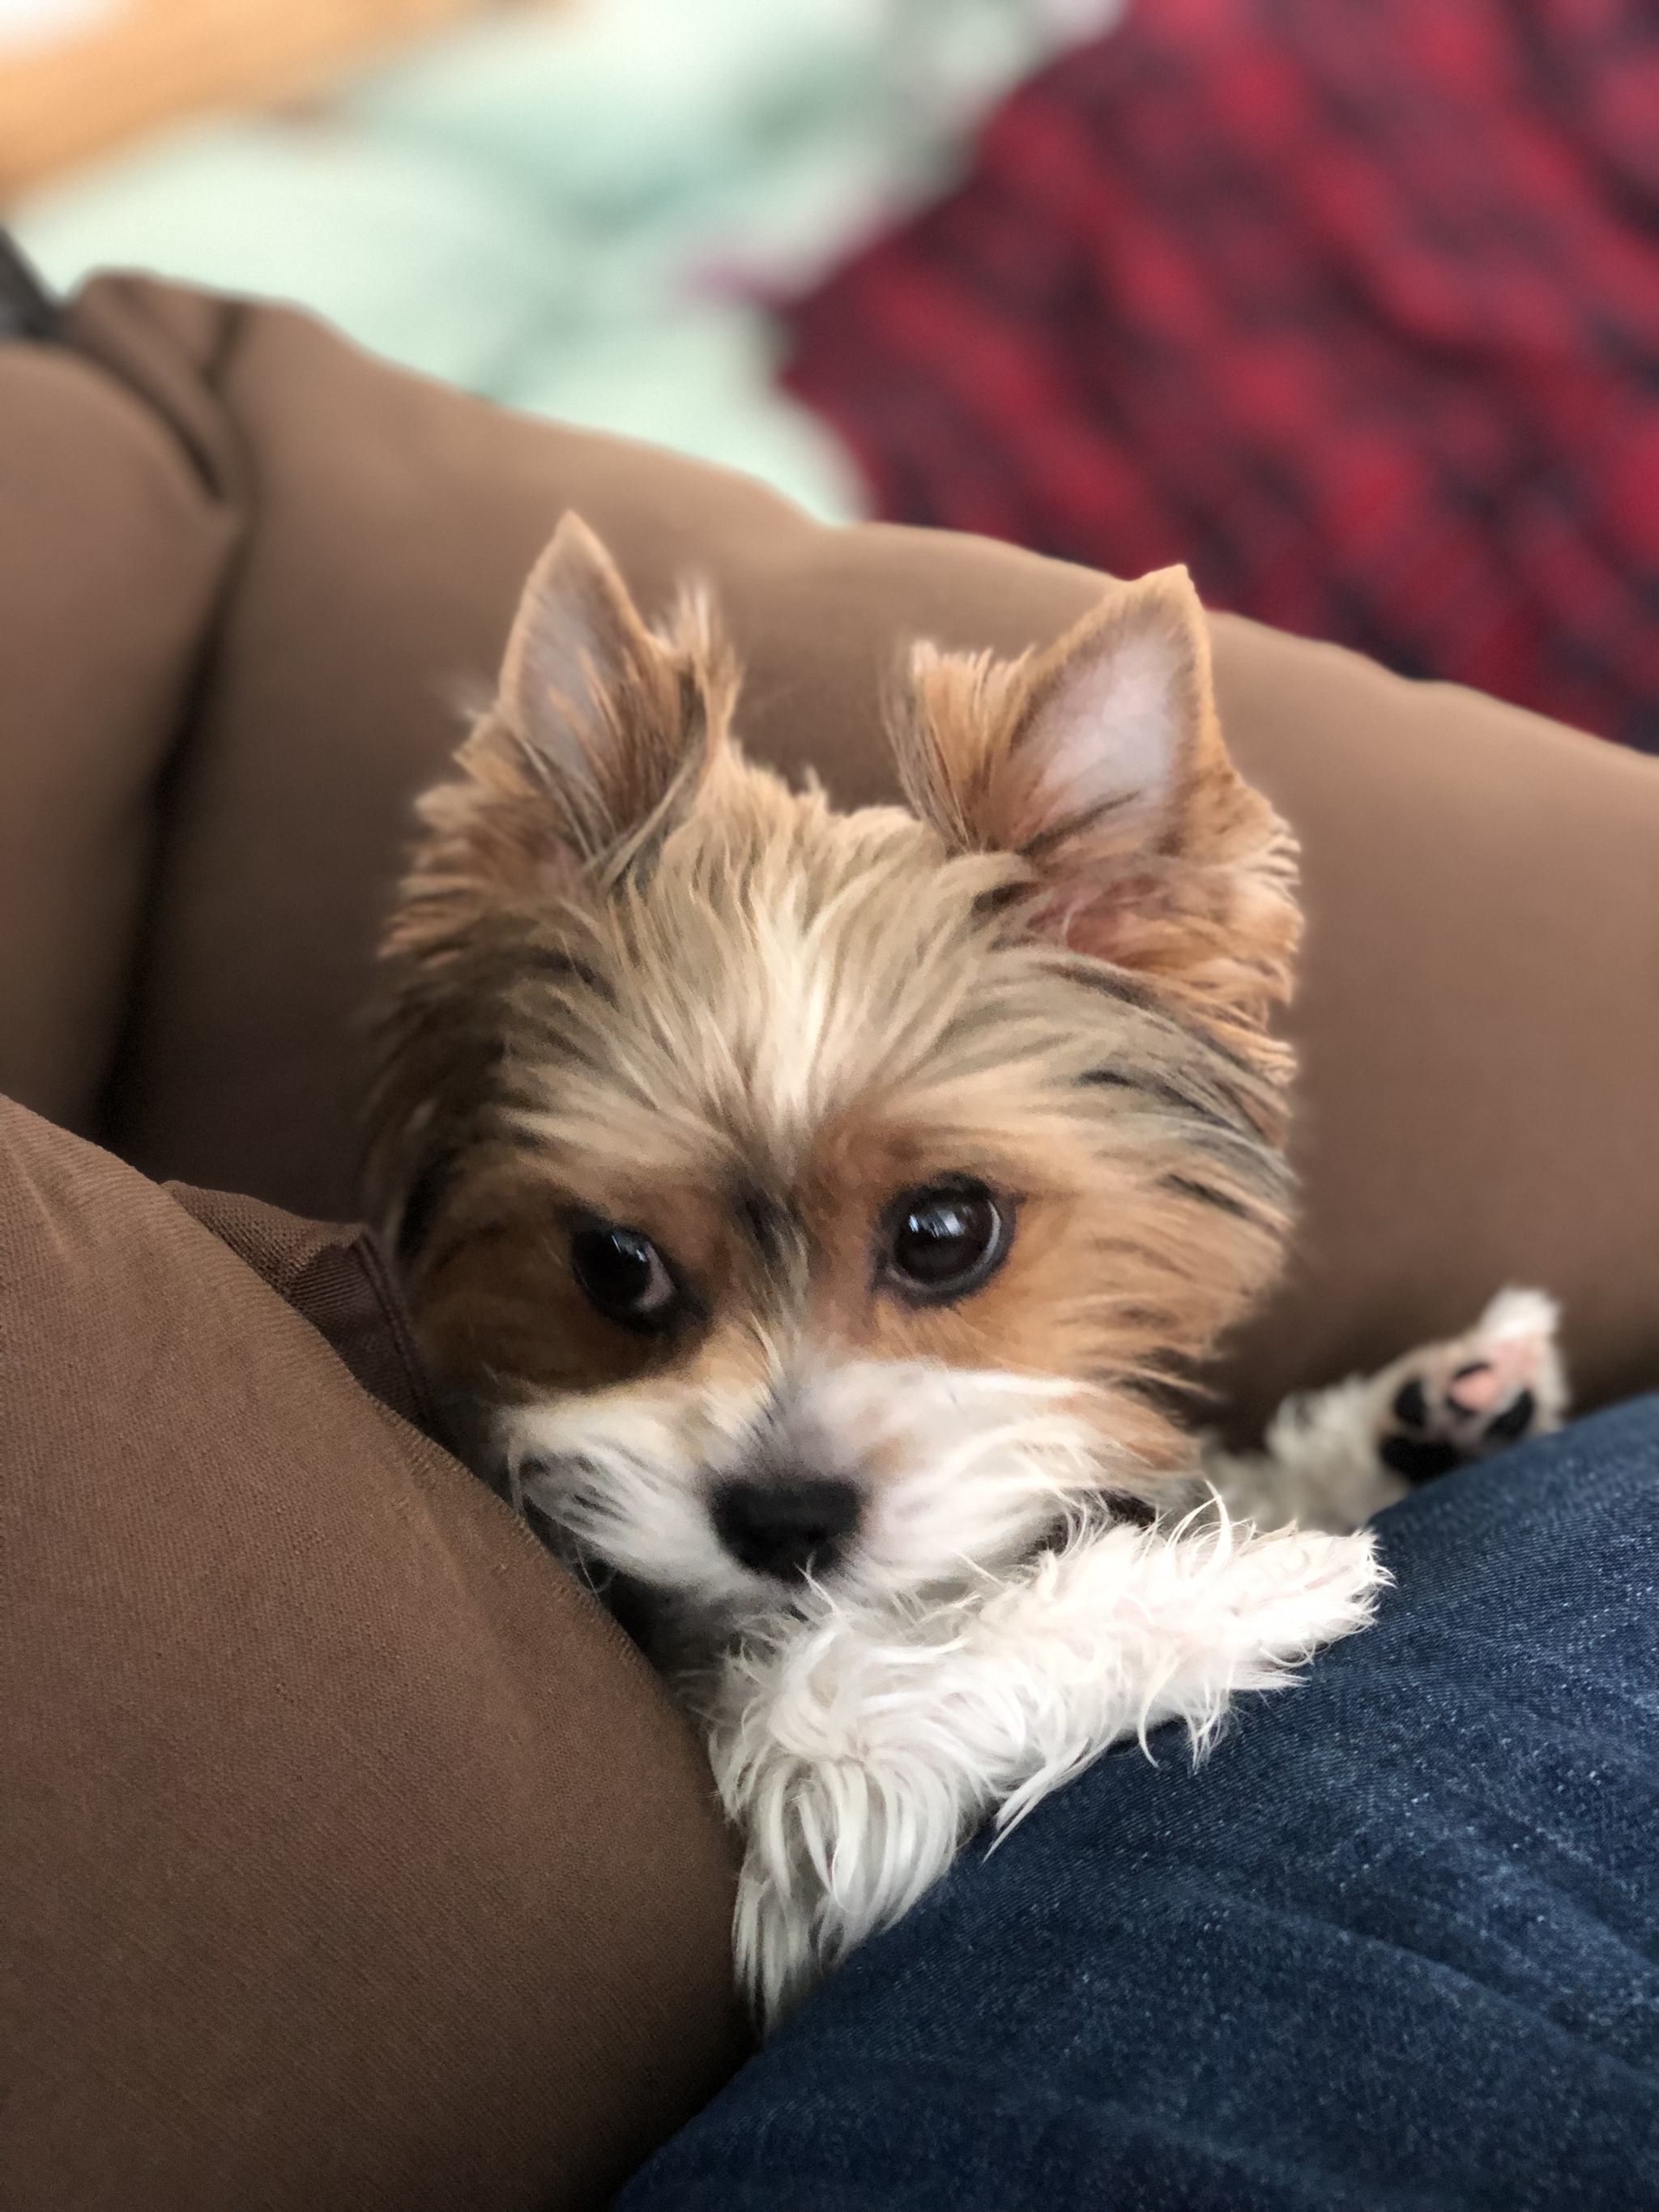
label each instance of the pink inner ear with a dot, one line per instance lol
(1113, 729)
(554, 674)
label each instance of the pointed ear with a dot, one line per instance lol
(599, 737)
(606, 714)
(1101, 763)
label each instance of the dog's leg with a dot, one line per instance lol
(860, 1754)
(1333, 1458)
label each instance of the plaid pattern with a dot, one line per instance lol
(1353, 305)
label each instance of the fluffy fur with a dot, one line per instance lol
(635, 981)
(858, 1745)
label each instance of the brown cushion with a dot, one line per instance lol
(114, 543)
(1478, 1016)
(336, 1276)
(349, 1855)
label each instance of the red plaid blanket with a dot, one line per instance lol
(1353, 305)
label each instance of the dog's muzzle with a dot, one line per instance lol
(786, 1528)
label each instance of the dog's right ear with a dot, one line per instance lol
(1100, 763)
(601, 732)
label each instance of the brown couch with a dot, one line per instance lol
(349, 1855)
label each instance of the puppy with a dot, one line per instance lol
(817, 1214)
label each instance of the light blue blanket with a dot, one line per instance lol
(577, 212)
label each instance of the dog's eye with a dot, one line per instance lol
(945, 1240)
(622, 1273)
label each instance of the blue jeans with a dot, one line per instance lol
(1396, 1944)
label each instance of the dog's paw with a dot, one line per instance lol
(1448, 1404)
(845, 1751)
(777, 1953)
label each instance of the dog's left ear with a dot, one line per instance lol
(1100, 762)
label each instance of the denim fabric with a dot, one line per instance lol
(1396, 1944)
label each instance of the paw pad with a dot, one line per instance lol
(1452, 1404)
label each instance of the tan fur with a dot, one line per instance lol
(633, 976)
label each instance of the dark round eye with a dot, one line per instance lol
(623, 1274)
(945, 1240)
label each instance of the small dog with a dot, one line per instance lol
(819, 1214)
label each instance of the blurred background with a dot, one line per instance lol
(1353, 305)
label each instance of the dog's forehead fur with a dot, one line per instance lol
(779, 968)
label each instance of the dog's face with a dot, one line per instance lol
(810, 1194)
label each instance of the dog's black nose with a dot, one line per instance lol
(786, 1528)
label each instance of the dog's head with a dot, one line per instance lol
(832, 1194)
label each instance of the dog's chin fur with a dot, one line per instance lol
(635, 979)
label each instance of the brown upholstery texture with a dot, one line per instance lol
(349, 1855)
(1479, 1011)
(336, 1274)
(114, 550)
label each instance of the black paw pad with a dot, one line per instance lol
(1419, 1459)
(1514, 1421)
(1411, 1405)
